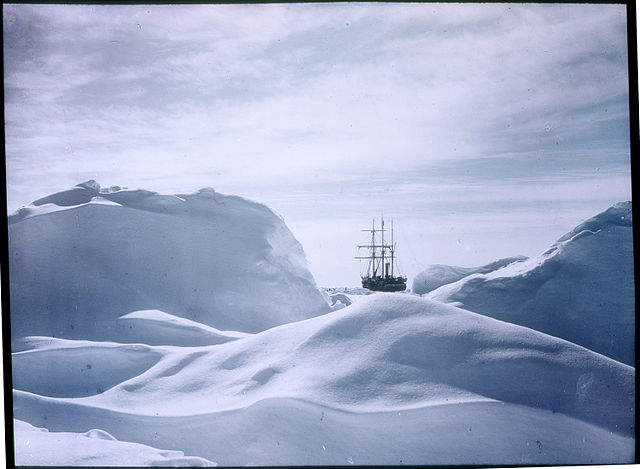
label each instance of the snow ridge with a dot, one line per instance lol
(394, 370)
(190, 322)
(580, 289)
(77, 264)
(39, 447)
(437, 275)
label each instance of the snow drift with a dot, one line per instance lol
(437, 275)
(389, 379)
(185, 329)
(83, 257)
(38, 447)
(581, 289)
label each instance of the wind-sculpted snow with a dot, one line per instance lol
(438, 274)
(39, 447)
(190, 323)
(155, 327)
(389, 379)
(89, 367)
(84, 257)
(581, 289)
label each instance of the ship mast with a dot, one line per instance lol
(379, 265)
(378, 277)
(372, 268)
(384, 267)
(372, 263)
(393, 248)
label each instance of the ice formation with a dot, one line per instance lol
(82, 258)
(580, 289)
(186, 330)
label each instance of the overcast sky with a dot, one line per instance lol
(484, 130)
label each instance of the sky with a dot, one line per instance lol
(483, 130)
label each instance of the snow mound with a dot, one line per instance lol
(39, 447)
(88, 368)
(81, 258)
(389, 378)
(80, 194)
(581, 289)
(437, 275)
(155, 327)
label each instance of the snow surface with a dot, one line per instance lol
(39, 447)
(190, 323)
(222, 261)
(389, 378)
(155, 327)
(437, 275)
(581, 289)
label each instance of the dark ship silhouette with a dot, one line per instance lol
(382, 258)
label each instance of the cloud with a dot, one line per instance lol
(382, 82)
(323, 108)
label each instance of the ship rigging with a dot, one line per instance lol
(381, 268)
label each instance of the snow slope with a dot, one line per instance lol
(39, 447)
(389, 379)
(82, 258)
(155, 327)
(581, 289)
(437, 275)
(190, 323)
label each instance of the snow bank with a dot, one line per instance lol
(39, 447)
(391, 378)
(293, 432)
(64, 368)
(190, 323)
(81, 258)
(155, 327)
(581, 289)
(437, 275)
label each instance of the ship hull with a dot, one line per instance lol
(385, 284)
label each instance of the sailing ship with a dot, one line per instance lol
(382, 259)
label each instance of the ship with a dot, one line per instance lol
(381, 270)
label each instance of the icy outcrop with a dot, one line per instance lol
(437, 275)
(581, 289)
(81, 258)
